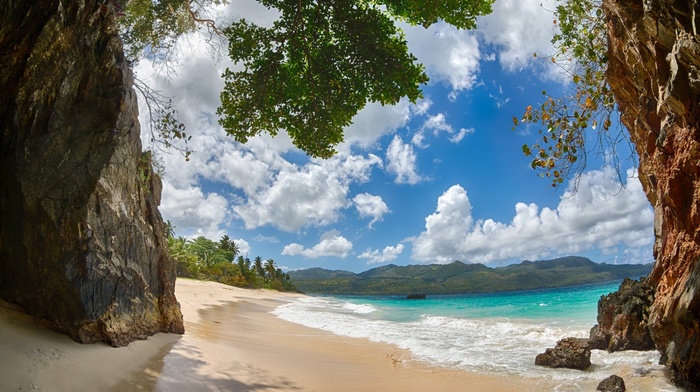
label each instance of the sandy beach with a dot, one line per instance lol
(232, 343)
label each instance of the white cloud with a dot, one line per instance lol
(311, 195)
(253, 11)
(243, 246)
(519, 28)
(388, 254)
(401, 161)
(421, 107)
(418, 140)
(192, 212)
(370, 206)
(239, 168)
(461, 134)
(437, 124)
(450, 56)
(332, 244)
(600, 214)
(268, 239)
(376, 120)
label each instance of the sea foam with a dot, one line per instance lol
(442, 333)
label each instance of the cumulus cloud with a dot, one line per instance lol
(243, 246)
(332, 244)
(401, 161)
(192, 212)
(450, 56)
(599, 214)
(519, 28)
(388, 254)
(371, 206)
(311, 195)
(376, 120)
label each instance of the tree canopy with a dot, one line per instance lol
(310, 72)
(322, 61)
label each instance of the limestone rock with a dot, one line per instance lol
(654, 72)
(81, 239)
(572, 353)
(622, 318)
(613, 383)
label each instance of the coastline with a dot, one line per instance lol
(232, 343)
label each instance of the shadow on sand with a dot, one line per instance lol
(182, 367)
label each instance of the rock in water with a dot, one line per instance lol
(572, 353)
(653, 71)
(622, 318)
(81, 239)
(613, 383)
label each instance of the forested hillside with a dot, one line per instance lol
(461, 278)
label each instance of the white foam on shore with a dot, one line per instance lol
(491, 345)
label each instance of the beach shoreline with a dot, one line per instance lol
(232, 343)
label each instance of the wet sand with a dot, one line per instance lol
(232, 343)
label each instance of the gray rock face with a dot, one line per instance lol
(572, 353)
(81, 239)
(622, 318)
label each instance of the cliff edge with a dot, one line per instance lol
(654, 72)
(81, 240)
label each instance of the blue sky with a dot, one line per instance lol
(440, 180)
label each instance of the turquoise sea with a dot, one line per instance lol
(486, 333)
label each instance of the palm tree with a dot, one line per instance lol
(234, 248)
(225, 243)
(169, 229)
(270, 267)
(259, 266)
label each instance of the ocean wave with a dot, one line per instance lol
(360, 308)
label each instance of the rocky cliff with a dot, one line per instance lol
(622, 318)
(654, 71)
(81, 239)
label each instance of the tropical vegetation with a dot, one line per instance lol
(204, 259)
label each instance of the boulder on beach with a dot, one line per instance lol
(572, 353)
(613, 383)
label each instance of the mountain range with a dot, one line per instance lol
(460, 278)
